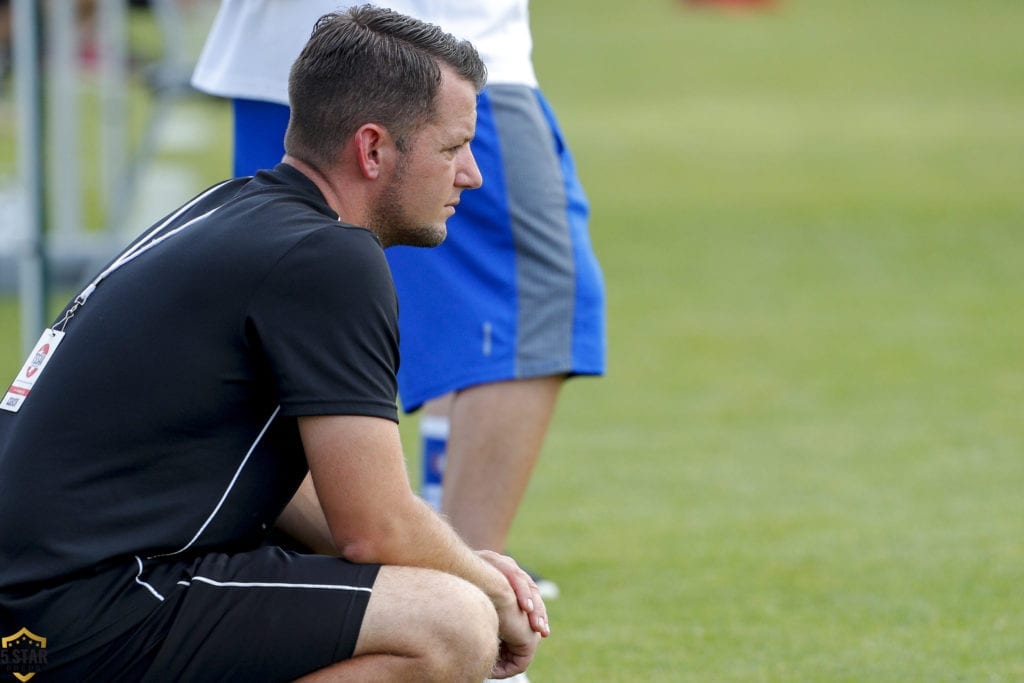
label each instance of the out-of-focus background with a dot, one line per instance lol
(805, 463)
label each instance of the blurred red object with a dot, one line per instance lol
(733, 4)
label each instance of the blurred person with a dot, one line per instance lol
(734, 5)
(169, 417)
(495, 319)
(85, 12)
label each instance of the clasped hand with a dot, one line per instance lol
(522, 622)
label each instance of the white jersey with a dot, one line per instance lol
(252, 43)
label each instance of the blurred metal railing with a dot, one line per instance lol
(50, 241)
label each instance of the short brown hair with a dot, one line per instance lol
(370, 64)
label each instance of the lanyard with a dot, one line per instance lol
(147, 242)
(51, 338)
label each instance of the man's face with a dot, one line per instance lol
(431, 174)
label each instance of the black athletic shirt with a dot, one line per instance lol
(165, 422)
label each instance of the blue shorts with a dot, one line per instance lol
(515, 291)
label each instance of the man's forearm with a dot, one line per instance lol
(303, 520)
(359, 472)
(419, 537)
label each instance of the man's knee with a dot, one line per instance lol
(467, 630)
(443, 623)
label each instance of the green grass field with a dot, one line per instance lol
(805, 463)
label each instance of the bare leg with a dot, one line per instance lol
(496, 435)
(420, 625)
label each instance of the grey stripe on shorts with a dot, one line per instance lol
(545, 267)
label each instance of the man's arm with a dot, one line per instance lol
(372, 515)
(303, 521)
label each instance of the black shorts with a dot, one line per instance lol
(263, 615)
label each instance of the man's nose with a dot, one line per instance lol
(468, 176)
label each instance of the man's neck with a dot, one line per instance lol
(346, 201)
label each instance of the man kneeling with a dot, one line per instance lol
(233, 371)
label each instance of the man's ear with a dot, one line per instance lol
(375, 149)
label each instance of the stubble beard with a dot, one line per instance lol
(393, 227)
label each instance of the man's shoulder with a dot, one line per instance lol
(276, 204)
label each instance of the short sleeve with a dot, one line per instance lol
(325, 320)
